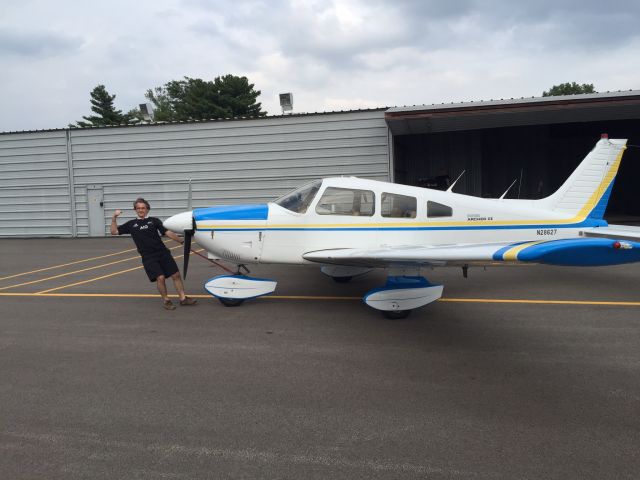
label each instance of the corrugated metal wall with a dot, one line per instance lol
(34, 185)
(208, 163)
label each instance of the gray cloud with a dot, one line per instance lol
(36, 44)
(333, 54)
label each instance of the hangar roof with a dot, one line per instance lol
(514, 112)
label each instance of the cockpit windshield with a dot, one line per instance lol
(299, 200)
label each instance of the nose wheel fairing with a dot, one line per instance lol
(231, 290)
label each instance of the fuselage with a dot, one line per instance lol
(348, 212)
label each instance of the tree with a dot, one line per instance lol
(226, 96)
(102, 105)
(569, 89)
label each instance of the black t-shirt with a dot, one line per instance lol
(146, 235)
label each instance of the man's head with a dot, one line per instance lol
(142, 207)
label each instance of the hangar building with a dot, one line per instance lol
(67, 182)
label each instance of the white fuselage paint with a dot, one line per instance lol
(285, 236)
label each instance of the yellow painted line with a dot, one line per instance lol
(67, 264)
(75, 271)
(95, 295)
(547, 302)
(70, 263)
(99, 278)
(88, 281)
(308, 297)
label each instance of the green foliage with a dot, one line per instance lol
(102, 106)
(569, 89)
(226, 96)
(163, 110)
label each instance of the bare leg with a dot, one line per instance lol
(177, 282)
(162, 287)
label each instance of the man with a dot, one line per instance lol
(156, 258)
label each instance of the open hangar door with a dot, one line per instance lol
(539, 158)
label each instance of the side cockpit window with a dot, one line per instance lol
(435, 209)
(299, 200)
(398, 206)
(346, 201)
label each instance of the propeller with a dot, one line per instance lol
(188, 235)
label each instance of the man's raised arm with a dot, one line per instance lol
(114, 224)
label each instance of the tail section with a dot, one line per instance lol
(586, 192)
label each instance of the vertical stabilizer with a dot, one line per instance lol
(586, 192)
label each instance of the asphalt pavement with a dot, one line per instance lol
(517, 373)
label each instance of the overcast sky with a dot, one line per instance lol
(332, 55)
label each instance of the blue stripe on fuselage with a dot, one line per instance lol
(232, 212)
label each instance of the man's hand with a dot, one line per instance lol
(117, 213)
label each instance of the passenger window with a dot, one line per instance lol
(435, 209)
(398, 206)
(346, 201)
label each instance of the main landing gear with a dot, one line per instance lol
(404, 291)
(343, 274)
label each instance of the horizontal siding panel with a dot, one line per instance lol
(268, 124)
(259, 138)
(42, 231)
(164, 175)
(31, 167)
(11, 140)
(186, 160)
(234, 149)
(32, 151)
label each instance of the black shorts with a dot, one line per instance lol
(159, 264)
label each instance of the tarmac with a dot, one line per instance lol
(516, 373)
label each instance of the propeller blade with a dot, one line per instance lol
(187, 251)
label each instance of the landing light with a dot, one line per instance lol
(622, 245)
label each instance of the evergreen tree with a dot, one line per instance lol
(226, 96)
(569, 89)
(102, 106)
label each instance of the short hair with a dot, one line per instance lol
(141, 200)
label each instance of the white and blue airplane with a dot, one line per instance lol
(351, 225)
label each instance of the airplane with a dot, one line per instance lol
(351, 225)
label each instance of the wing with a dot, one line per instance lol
(583, 251)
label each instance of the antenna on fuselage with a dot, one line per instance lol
(455, 181)
(507, 191)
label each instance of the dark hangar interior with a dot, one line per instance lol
(535, 143)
